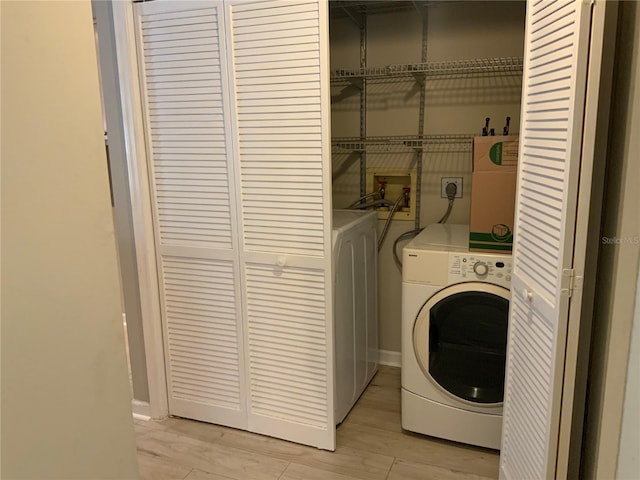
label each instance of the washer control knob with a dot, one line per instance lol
(481, 268)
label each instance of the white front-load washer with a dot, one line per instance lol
(455, 312)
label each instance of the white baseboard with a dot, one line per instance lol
(141, 410)
(390, 358)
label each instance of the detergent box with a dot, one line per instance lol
(493, 193)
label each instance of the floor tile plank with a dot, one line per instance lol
(302, 472)
(372, 416)
(371, 445)
(382, 397)
(153, 467)
(387, 377)
(358, 464)
(210, 457)
(420, 449)
(200, 475)
(406, 470)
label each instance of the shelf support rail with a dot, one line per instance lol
(423, 92)
(363, 104)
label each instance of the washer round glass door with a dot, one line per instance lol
(460, 341)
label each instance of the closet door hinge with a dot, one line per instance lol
(570, 282)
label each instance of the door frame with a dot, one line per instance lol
(587, 237)
(139, 191)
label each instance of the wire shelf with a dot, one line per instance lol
(429, 143)
(476, 66)
(344, 8)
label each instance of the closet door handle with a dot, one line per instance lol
(281, 261)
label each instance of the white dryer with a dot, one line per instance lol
(355, 267)
(455, 311)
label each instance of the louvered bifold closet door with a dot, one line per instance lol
(553, 103)
(278, 52)
(181, 56)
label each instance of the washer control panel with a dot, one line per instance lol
(478, 267)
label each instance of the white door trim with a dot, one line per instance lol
(588, 216)
(140, 205)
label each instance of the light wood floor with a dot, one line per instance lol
(370, 446)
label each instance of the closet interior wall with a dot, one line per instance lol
(455, 104)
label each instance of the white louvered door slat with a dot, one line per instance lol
(181, 53)
(278, 50)
(551, 141)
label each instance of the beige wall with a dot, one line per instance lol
(66, 408)
(456, 30)
(616, 291)
(629, 451)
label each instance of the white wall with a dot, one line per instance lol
(456, 30)
(66, 407)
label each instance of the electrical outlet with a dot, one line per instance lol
(447, 180)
